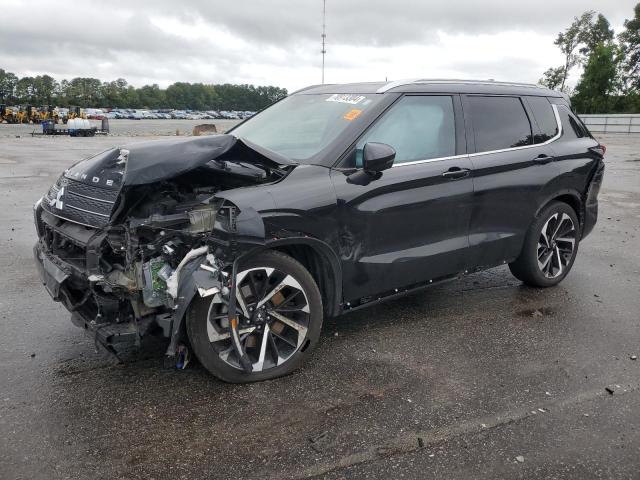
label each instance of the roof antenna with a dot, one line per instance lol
(324, 35)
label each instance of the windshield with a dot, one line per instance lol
(300, 126)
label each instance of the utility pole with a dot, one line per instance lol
(324, 35)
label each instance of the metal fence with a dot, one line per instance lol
(620, 123)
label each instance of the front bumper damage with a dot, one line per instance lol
(128, 237)
(119, 308)
(199, 276)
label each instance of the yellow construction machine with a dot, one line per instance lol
(47, 112)
(23, 115)
(6, 114)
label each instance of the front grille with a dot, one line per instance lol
(81, 203)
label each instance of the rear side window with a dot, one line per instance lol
(417, 127)
(499, 122)
(544, 117)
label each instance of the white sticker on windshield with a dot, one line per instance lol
(346, 98)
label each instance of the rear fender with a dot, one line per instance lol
(575, 196)
(591, 200)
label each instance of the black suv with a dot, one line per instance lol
(335, 198)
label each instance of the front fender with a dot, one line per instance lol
(332, 274)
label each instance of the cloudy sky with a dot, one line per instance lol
(277, 42)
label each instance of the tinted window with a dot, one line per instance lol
(571, 126)
(544, 117)
(417, 127)
(499, 122)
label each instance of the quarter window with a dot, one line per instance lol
(577, 127)
(417, 127)
(572, 126)
(499, 122)
(544, 117)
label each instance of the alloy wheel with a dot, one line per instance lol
(556, 245)
(273, 319)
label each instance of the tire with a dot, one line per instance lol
(285, 347)
(548, 255)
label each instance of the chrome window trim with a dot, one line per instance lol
(489, 152)
(427, 160)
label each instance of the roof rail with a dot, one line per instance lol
(419, 81)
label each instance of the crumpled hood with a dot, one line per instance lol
(149, 162)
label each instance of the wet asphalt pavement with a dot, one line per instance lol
(479, 378)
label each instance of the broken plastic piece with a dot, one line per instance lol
(208, 268)
(207, 292)
(174, 279)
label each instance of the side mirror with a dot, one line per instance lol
(377, 156)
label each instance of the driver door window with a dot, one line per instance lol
(417, 127)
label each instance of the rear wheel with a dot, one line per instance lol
(550, 247)
(279, 311)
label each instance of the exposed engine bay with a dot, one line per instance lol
(129, 236)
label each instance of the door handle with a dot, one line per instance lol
(456, 172)
(543, 159)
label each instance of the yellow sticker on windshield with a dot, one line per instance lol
(352, 114)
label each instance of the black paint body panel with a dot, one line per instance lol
(412, 225)
(406, 227)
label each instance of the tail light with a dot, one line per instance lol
(600, 149)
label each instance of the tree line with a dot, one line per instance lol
(92, 92)
(610, 80)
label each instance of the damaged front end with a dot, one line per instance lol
(128, 237)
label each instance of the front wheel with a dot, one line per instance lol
(550, 247)
(279, 311)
